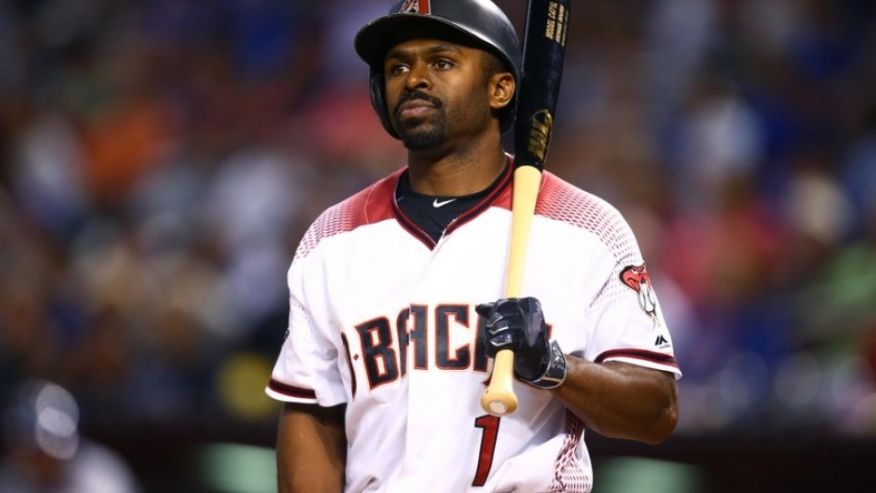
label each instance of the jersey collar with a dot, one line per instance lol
(499, 196)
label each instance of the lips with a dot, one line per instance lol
(414, 108)
(415, 105)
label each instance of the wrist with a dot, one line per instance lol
(555, 373)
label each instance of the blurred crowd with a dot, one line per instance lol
(160, 159)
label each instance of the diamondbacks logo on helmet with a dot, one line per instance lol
(416, 7)
(636, 277)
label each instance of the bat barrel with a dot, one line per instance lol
(543, 52)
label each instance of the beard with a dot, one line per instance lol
(422, 134)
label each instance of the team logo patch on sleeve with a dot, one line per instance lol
(636, 277)
(416, 7)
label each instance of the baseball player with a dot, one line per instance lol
(394, 318)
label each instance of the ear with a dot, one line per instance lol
(502, 88)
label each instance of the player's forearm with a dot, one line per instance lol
(621, 400)
(311, 449)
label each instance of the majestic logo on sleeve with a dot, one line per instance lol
(416, 7)
(636, 277)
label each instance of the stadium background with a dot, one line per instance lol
(160, 159)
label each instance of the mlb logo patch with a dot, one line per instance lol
(416, 7)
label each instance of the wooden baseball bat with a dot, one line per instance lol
(547, 22)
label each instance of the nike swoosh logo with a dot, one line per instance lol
(437, 204)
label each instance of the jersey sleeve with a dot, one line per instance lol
(626, 321)
(307, 368)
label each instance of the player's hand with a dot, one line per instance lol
(518, 324)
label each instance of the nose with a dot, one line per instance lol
(418, 77)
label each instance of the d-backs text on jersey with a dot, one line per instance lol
(452, 331)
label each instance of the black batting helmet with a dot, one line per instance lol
(477, 21)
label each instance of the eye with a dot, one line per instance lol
(443, 64)
(397, 69)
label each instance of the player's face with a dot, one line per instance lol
(438, 91)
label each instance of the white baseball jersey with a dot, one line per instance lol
(382, 318)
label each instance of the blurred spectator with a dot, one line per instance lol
(47, 174)
(47, 452)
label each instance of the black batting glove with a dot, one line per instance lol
(518, 324)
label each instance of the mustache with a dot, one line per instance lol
(410, 96)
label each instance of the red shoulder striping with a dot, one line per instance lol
(562, 201)
(642, 354)
(377, 204)
(291, 390)
(369, 206)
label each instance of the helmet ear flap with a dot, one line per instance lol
(378, 100)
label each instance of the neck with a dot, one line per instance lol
(462, 170)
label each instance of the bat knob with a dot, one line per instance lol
(499, 398)
(498, 409)
(499, 402)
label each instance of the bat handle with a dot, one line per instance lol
(499, 398)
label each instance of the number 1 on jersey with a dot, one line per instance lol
(490, 426)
